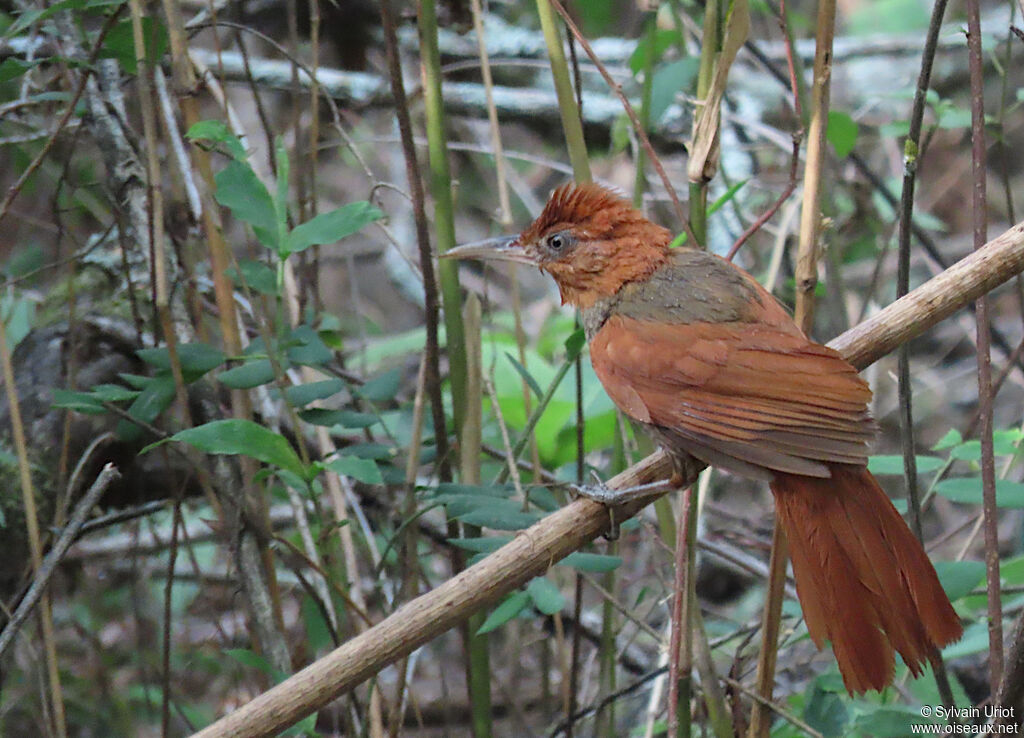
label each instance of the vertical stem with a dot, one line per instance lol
(572, 126)
(640, 178)
(432, 369)
(478, 670)
(710, 46)
(32, 524)
(988, 472)
(911, 153)
(444, 220)
(681, 642)
(806, 280)
(810, 215)
(771, 618)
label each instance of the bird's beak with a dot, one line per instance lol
(502, 248)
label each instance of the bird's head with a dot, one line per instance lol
(590, 239)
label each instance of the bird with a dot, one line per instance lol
(695, 351)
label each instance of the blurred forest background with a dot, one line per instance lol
(200, 243)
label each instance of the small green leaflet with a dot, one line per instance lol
(243, 438)
(362, 470)
(508, 609)
(333, 226)
(242, 192)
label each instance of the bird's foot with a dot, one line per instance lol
(600, 492)
(604, 494)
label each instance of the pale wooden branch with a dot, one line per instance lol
(536, 549)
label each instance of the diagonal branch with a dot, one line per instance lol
(547, 542)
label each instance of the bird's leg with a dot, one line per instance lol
(604, 494)
(684, 467)
(600, 492)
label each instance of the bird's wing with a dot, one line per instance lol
(754, 393)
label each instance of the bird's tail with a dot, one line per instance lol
(863, 579)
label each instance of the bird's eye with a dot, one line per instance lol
(558, 241)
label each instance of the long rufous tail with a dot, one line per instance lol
(863, 579)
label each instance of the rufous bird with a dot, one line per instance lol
(693, 349)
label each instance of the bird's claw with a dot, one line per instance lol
(606, 495)
(602, 493)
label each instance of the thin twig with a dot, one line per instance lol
(62, 122)
(988, 469)
(430, 297)
(56, 554)
(911, 160)
(637, 126)
(767, 215)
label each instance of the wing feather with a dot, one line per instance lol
(748, 394)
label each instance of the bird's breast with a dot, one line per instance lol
(594, 316)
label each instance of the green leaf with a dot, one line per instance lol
(281, 200)
(257, 275)
(253, 660)
(318, 634)
(306, 347)
(196, 359)
(591, 562)
(958, 578)
(974, 640)
(620, 134)
(12, 68)
(640, 59)
(545, 596)
(303, 394)
(950, 439)
(726, 196)
(333, 226)
(574, 344)
(242, 192)
(967, 490)
(896, 129)
(530, 381)
(826, 713)
(33, 16)
(499, 519)
(1004, 443)
(138, 381)
(483, 544)
(113, 393)
(24, 259)
(119, 43)
(248, 375)
(362, 470)
(890, 722)
(19, 316)
(449, 490)
(668, 80)
(953, 117)
(508, 609)
(894, 464)
(895, 16)
(236, 437)
(383, 387)
(679, 240)
(841, 133)
(344, 418)
(376, 451)
(79, 402)
(218, 132)
(154, 398)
